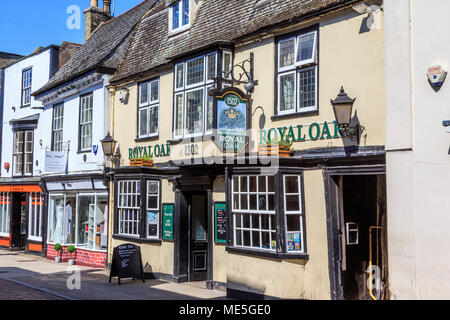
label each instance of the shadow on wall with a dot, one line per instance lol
(244, 291)
(352, 141)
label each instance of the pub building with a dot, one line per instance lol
(246, 211)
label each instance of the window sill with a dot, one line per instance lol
(295, 115)
(146, 139)
(83, 151)
(267, 254)
(25, 106)
(136, 240)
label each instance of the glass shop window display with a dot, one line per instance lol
(61, 228)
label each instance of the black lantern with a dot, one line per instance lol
(108, 145)
(343, 107)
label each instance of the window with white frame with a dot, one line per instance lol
(90, 221)
(256, 218)
(57, 130)
(297, 73)
(26, 86)
(193, 107)
(129, 207)
(23, 153)
(86, 120)
(148, 109)
(5, 205)
(36, 202)
(153, 209)
(180, 15)
(293, 213)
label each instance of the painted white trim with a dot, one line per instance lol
(294, 110)
(314, 53)
(311, 108)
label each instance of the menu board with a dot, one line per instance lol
(220, 222)
(127, 262)
(167, 210)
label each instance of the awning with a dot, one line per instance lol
(19, 188)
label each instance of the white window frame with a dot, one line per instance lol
(252, 212)
(205, 85)
(34, 230)
(298, 67)
(299, 212)
(86, 123)
(157, 210)
(23, 153)
(55, 143)
(136, 208)
(5, 213)
(148, 105)
(181, 27)
(28, 74)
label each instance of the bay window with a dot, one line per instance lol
(5, 213)
(297, 73)
(148, 115)
(138, 209)
(193, 107)
(260, 221)
(23, 153)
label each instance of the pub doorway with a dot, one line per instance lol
(357, 205)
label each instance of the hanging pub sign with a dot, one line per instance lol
(127, 262)
(232, 120)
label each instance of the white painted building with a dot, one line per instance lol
(417, 149)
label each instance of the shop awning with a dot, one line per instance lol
(21, 188)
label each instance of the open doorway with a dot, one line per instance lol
(359, 229)
(19, 221)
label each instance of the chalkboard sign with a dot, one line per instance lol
(168, 221)
(220, 222)
(127, 262)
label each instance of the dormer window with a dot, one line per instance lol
(179, 15)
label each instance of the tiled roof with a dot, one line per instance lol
(216, 21)
(98, 50)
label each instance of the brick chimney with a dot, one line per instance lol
(94, 16)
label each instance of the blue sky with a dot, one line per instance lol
(28, 24)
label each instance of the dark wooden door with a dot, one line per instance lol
(198, 251)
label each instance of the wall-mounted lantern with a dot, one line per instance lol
(343, 108)
(109, 147)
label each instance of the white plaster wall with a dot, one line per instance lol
(12, 97)
(418, 192)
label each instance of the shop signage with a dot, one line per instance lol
(127, 262)
(17, 188)
(168, 221)
(55, 161)
(157, 151)
(436, 75)
(299, 133)
(220, 222)
(232, 120)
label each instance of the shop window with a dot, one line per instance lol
(129, 207)
(256, 219)
(26, 86)
(86, 121)
(92, 211)
(23, 153)
(5, 205)
(297, 74)
(148, 109)
(180, 15)
(61, 218)
(36, 203)
(193, 107)
(57, 130)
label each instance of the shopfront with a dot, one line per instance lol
(78, 216)
(21, 219)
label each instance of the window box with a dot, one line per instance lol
(141, 163)
(274, 150)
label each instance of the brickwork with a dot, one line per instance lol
(82, 257)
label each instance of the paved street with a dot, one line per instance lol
(32, 278)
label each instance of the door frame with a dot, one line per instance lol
(334, 236)
(181, 225)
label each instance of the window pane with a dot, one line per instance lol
(143, 88)
(287, 91)
(179, 115)
(143, 122)
(195, 71)
(194, 111)
(307, 88)
(292, 203)
(153, 120)
(211, 67)
(256, 239)
(293, 222)
(237, 218)
(176, 16)
(227, 61)
(287, 53)
(180, 76)
(209, 111)
(154, 91)
(185, 12)
(291, 184)
(305, 47)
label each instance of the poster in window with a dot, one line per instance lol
(297, 246)
(152, 217)
(290, 241)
